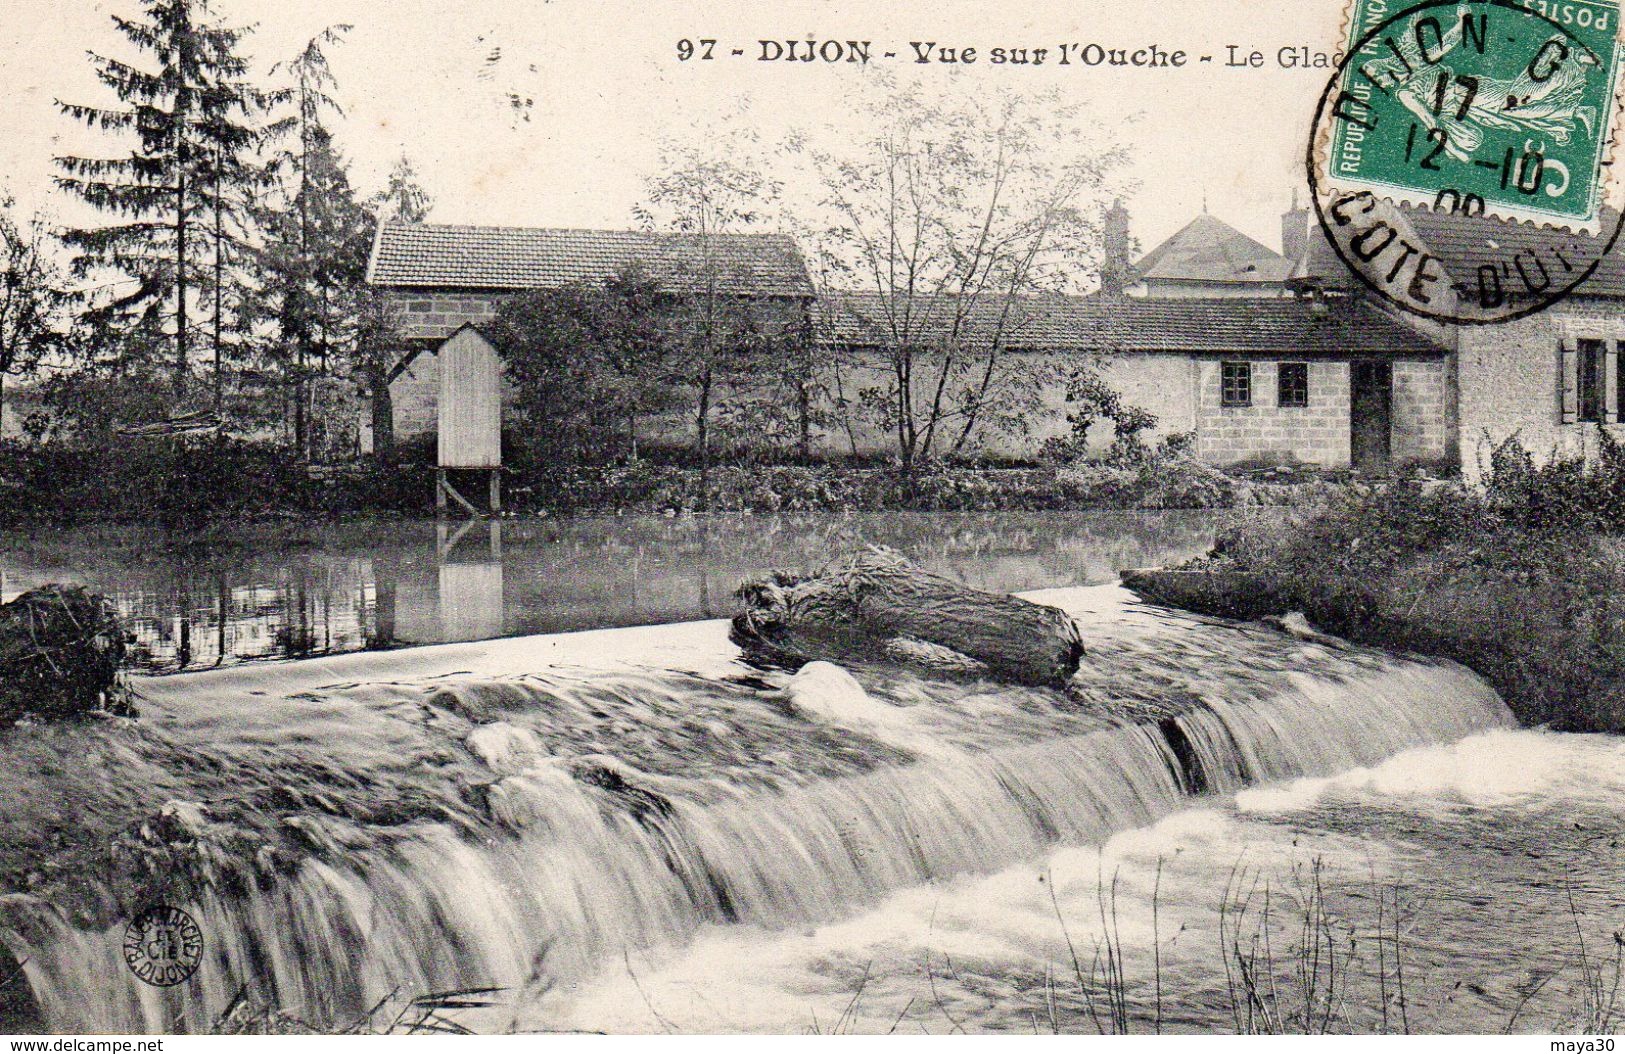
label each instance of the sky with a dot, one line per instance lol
(414, 78)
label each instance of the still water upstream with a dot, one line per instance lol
(1218, 827)
(195, 603)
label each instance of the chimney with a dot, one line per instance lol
(1116, 269)
(1294, 230)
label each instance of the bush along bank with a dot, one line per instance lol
(648, 487)
(1521, 580)
(189, 482)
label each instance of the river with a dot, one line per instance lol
(1217, 828)
(195, 602)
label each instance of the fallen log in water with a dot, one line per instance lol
(1212, 589)
(60, 652)
(874, 598)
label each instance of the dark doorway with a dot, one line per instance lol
(1371, 401)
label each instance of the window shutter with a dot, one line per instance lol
(1610, 382)
(1568, 382)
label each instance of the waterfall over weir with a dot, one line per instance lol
(520, 813)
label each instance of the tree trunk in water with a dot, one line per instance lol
(855, 607)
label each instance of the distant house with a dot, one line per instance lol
(1208, 258)
(438, 278)
(1552, 380)
(1262, 379)
(1209, 331)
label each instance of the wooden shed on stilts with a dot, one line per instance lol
(470, 418)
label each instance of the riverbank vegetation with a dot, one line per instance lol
(203, 482)
(1521, 579)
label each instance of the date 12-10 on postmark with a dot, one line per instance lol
(1494, 107)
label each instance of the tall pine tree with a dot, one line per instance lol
(190, 112)
(317, 237)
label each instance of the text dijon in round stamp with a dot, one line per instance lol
(1508, 104)
(163, 946)
(1498, 112)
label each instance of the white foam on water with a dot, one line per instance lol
(586, 859)
(1490, 768)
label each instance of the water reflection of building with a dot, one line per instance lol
(463, 600)
(379, 585)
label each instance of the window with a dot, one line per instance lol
(1589, 380)
(1235, 384)
(1292, 384)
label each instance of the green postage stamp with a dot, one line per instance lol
(1504, 107)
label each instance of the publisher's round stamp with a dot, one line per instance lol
(1500, 109)
(163, 946)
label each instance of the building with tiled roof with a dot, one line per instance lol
(1100, 323)
(1553, 380)
(1209, 258)
(447, 256)
(439, 278)
(1271, 380)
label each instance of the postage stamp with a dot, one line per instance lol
(1498, 107)
(1485, 125)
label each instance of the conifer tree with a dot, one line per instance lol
(191, 114)
(403, 199)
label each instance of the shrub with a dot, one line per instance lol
(1511, 580)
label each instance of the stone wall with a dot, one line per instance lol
(437, 314)
(1319, 433)
(1160, 383)
(1506, 386)
(1421, 411)
(1316, 434)
(1511, 383)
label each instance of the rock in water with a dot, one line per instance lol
(60, 652)
(875, 596)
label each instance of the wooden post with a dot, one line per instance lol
(440, 491)
(496, 491)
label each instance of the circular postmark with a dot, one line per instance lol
(1458, 155)
(163, 946)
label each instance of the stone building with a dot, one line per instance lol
(438, 278)
(1550, 380)
(1262, 380)
(1207, 331)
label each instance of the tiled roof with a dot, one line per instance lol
(1283, 325)
(1462, 244)
(426, 255)
(1210, 250)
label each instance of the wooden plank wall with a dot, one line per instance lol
(470, 410)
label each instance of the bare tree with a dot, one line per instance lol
(939, 231)
(725, 341)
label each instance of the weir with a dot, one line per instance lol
(519, 814)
